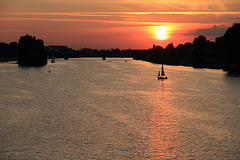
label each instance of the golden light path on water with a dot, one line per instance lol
(162, 136)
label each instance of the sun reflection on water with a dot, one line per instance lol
(162, 131)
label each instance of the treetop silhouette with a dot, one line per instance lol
(31, 51)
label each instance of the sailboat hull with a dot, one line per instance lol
(162, 77)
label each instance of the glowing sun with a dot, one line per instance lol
(161, 34)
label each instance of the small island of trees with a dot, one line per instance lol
(31, 52)
(28, 52)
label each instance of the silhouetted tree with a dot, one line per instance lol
(169, 54)
(156, 54)
(198, 52)
(31, 52)
(8, 51)
(199, 44)
(231, 40)
(158, 49)
(170, 48)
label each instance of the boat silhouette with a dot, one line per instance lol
(161, 75)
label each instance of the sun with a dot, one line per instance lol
(161, 34)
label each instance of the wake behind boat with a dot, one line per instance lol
(161, 75)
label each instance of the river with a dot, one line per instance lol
(116, 109)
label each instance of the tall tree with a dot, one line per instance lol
(232, 44)
(32, 52)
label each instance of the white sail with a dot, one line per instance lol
(162, 73)
(159, 73)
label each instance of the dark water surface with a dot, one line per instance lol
(94, 109)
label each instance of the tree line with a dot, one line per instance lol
(224, 53)
(28, 52)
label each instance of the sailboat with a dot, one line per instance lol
(53, 60)
(161, 75)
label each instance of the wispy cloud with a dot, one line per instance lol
(78, 18)
(121, 19)
(123, 16)
(215, 31)
(167, 5)
(89, 20)
(116, 5)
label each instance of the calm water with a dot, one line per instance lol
(94, 109)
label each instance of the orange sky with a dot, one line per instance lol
(124, 24)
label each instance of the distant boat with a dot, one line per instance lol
(161, 75)
(53, 60)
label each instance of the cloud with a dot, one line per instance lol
(118, 6)
(164, 5)
(214, 31)
(126, 19)
(232, 5)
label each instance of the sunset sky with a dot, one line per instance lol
(104, 24)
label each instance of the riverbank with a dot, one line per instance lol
(231, 69)
(4, 60)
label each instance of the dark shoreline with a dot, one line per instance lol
(231, 69)
(201, 53)
(7, 60)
